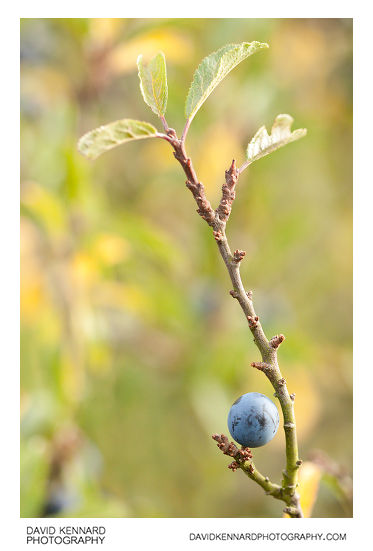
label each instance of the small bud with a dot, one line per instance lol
(253, 321)
(276, 341)
(233, 466)
(171, 132)
(262, 366)
(238, 255)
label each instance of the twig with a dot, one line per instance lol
(243, 460)
(217, 219)
(228, 193)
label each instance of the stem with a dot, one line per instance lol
(270, 488)
(185, 131)
(268, 348)
(164, 122)
(293, 507)
(269, 357)
(244, 166)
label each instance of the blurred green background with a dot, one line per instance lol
(132, 349)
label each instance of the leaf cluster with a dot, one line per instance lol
(153, 85)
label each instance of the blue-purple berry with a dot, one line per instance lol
(253, 420)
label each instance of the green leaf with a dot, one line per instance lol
(213, 69)
(101, 139)
(153, 83)
(262, 144)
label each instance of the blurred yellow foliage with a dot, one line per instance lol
(220, 145)
(159, 155)
(105, 30)
(306, 56)
(111, 249)
(99, 357)
(175, 46)
(84, 269)
(72, 377)
(299, 53)
(31, 283)
(46, 206)
(307, 400)
(31, 292)
(309, 480)
(130, 297)
(46, 84)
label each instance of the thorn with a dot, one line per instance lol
(232, 172)
(266, 479)
(292, 396)
(249, 295)
(299, 462)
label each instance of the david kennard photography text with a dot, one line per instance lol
(65, 534)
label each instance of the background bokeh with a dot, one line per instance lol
(132, 350)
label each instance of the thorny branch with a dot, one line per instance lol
(218, 219)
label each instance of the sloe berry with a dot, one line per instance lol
(253, 420)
